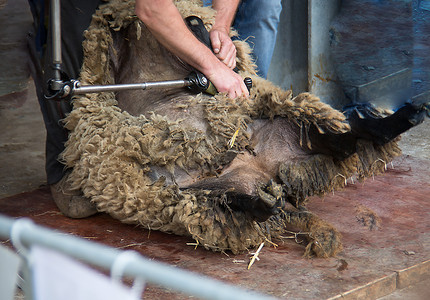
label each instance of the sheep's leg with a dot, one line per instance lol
(367, 123)
(323, 239)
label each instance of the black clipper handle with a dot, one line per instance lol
(248, 83)
(199, 81)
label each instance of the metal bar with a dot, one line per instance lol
(56, 31)
(55, 23)
(104, 256)
(78, 89)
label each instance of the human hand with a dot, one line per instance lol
(227, 81)
(223, 47)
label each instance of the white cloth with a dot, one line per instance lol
(56, 276)
(9, 266)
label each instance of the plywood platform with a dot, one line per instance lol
(375, 261)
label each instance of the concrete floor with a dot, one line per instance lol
(375, 261)
(22, 148)
(23, 134)
(419, 291)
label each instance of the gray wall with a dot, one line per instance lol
(302, 59)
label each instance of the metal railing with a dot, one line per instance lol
(24, 233)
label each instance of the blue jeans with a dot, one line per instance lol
(257, 22)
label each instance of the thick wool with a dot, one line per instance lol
(109, 151)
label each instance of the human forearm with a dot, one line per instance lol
(226, 11)
(163, 19)
(222, 44)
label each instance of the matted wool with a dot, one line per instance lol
(110, 151)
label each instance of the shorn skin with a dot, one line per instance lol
(165, 159)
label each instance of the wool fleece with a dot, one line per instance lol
(112, 153)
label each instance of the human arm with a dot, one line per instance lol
(164, 20)
(222, 44)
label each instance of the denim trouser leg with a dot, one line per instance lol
(257, 21)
